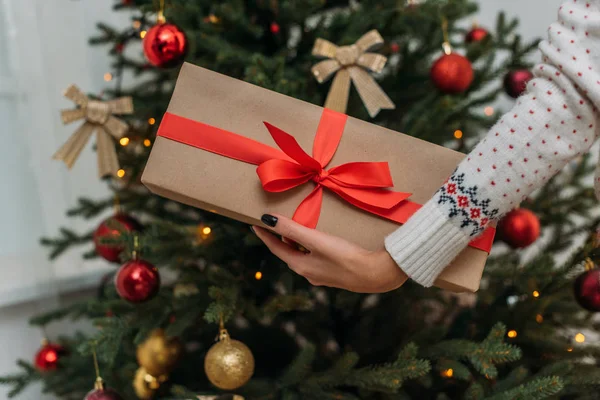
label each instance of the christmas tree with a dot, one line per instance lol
(519, 337)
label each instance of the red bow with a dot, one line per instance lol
(362, 184)
(359, 183)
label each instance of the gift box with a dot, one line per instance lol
(239, 150)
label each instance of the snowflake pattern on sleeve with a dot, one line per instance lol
(463, 203)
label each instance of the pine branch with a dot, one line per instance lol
(20, 381)
(538, 389)
(300, 368)
(483, 356)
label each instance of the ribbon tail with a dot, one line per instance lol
(484, 241)
(370, 92)
(69, 116)
(116, 127)
(337, 98)
(108, 163)
(69, 152)
(309, 211)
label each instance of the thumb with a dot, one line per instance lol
(290, 229)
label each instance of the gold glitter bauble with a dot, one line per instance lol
(146, 385)
(229, 364)
(158, 354)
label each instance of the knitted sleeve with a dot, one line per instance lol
(552, 123)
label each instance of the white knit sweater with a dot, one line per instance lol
(554, 121)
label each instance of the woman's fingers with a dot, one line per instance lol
(282, 250)
(287, 228)
(295, 259)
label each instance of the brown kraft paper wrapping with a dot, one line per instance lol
(230, 187)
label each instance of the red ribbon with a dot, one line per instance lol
(362, 184)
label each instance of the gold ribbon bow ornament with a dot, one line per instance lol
(99, 117)
(352, 63)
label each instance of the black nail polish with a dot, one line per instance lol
(269, 220)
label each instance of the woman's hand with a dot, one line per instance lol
(332, 261)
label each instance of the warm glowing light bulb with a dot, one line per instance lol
(108, 77)
(580, 338)
(536, 294)
(143, 34)
(206, 230)
(570, 349)
(147, 142)
(448, 373)
(458, 134)
(258, 275)
(137, 24)
(512, 334)
(124, 141)
(151, 121)
(539, 318)
(121, 173)
(489, 111)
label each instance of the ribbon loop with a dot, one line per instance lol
(370, 41)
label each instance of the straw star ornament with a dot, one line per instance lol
(352, 64)
(99, 117)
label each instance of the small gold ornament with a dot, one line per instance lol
(350, 64)
(159, 354)
(100, 117)
(145, 384)
(229, 363)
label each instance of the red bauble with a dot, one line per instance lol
(452, 73)
(103, 394)
(111, 228)
(137, 281)
(394, 47)
(275, 28)
(587, 290)
(519, 228)
(48, 356)
(476, 34)
(165, 45)
(515, 82)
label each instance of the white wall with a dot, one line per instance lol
(43, 49)
(63, 27)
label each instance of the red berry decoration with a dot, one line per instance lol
(519, 228)
(275, 28)
(137, 281)
(587, 290)
(476, 34)
(452, 73)
(165, 45)
(103, 394)
(515, 82)
(48, 356)
(394, 47)
(112, 228)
